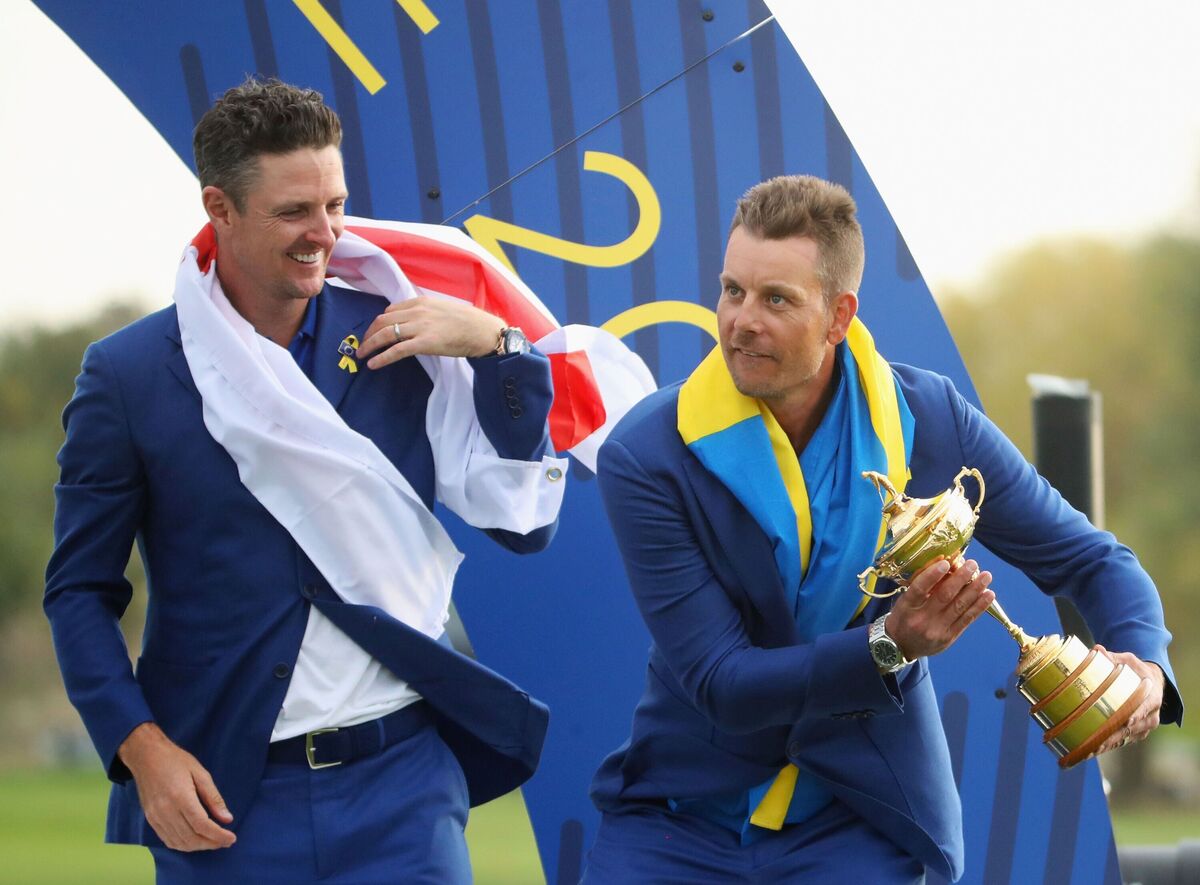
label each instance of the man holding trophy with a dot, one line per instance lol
(789, 730)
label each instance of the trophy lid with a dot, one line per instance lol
(912, 518)
(921, 530)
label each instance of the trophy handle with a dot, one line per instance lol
(958, 486)
(884, 486)
(862, 584)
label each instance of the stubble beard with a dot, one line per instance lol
(777, 387)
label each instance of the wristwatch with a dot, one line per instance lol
(884, 651)
(511, 340)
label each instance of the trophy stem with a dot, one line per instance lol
(1022, 638)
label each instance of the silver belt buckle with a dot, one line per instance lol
(308, 749)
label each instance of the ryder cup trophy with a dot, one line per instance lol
(1080, 696)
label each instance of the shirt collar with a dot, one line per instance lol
(308, 326)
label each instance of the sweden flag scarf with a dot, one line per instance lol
(823, 520)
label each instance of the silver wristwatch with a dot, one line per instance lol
(884, 651)
(511, 340)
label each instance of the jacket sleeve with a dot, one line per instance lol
(513, 397)
(1029, 525)
(99, 500)
(700, 632)
(513, 394)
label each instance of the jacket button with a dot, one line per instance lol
(281, 671)
(510, 382)
(516, 411)
(309, 591)
(794, 748)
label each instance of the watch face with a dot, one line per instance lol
(885, 653)
(515, 341)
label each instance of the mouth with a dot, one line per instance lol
(305, 257)
(753, 354)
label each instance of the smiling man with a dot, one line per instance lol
(789, 732)
(295, 714)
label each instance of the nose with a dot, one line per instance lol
(746, 317)
(326, 228)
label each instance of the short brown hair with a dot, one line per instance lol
(259, 117)
(806, 206)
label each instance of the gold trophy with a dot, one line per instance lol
(1080, 696)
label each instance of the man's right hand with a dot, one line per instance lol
(171, 785)
(939, 604)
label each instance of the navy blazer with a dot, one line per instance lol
(732, 694)
(229, 589)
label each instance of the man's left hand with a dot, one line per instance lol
(430, 325)
(1145, 717)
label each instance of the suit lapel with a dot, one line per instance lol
(337, 317)
(177, 362)
(746, 549)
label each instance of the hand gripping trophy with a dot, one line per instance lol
(1079, 696)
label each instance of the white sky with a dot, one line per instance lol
(985, 126)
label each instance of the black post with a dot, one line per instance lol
(1067, 451)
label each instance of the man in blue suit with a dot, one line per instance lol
(788, 731)
(275, 729)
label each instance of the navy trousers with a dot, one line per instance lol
(649, 844)
(395, 817)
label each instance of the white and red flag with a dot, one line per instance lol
(597, 379)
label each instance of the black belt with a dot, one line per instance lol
(327, 747)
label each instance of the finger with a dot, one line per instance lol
(978, 605)
(1146, 718)
(1115, 741)
(1143, 721)
(183, 836)
(409, 347)
(205, 833)
(383, 336)
(923, 582)
(401, 313)
(211, 796)
(187, 839)
(163, 816)
(169, 828)
(966, 597)
(950, 587)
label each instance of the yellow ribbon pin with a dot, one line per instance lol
(348, 348)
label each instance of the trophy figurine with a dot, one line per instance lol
(1079, 696)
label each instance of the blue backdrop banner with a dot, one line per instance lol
(501, 118)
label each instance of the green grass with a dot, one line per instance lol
(1156, 826)
(52, 832)
(52, 828)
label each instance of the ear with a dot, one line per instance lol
(843, 309)
(219, 206)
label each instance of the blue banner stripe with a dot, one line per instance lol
(265, 63)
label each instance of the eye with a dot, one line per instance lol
(732, 290)
(776, 300)
(292, 214)
(337, 206)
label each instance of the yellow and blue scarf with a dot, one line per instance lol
(822, 518)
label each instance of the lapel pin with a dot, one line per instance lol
(348, 348)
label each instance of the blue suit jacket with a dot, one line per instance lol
(229, 590)
(732, 694)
